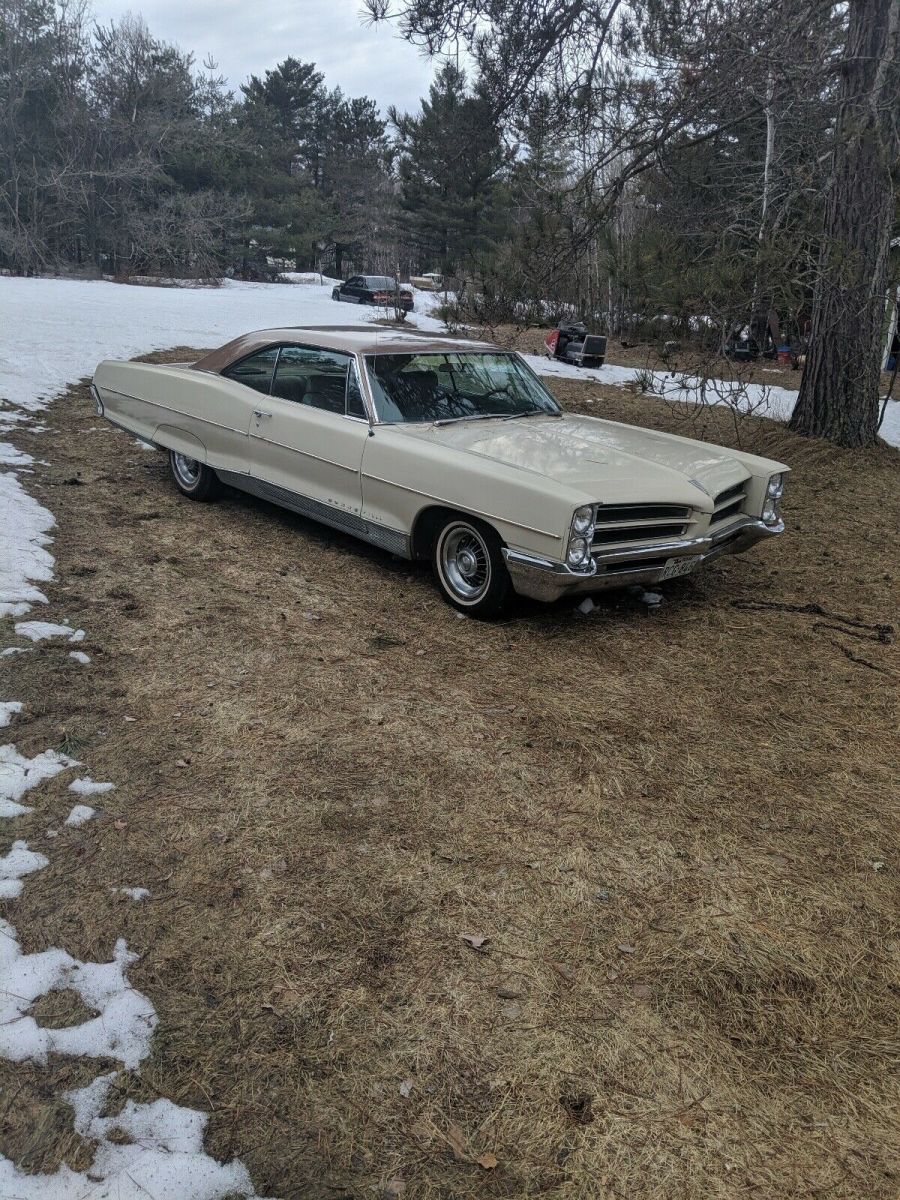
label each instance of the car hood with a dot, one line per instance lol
(608, 460)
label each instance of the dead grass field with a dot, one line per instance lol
(676, 831)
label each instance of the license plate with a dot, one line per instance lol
(681, 566)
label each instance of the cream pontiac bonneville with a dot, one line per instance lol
(447, 450)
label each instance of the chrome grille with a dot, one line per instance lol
(639, 522)
(729, 503)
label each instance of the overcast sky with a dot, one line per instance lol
(247, 36)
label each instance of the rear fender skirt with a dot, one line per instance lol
(179, 440)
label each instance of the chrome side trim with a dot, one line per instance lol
(392, 540)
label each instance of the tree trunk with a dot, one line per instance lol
(839, 390)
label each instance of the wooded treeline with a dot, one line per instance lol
(655, 166)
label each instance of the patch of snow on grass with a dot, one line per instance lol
(87, 787)
(80, 815)
(145, 1150)
(133, 893)
(23, 559)
(38, 630)
(80, 656)
(17, 862)
(19, 775)
(11, 457)
(11, 650)
(8, 708)
(125, 1019)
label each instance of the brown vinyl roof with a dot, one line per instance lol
(352, 339)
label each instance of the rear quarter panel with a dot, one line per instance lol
(194, 412)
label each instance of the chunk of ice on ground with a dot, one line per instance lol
(11, 650)
(586, 606)
(87, 787)
(18, 862)
(80, 656)
(80, 815)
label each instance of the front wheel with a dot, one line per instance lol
(335, 294)
(469, 567)
(193, 479)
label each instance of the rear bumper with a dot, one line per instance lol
(544, 579)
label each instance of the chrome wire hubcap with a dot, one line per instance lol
(186, 469)
(465, 563)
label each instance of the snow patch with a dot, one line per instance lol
(157, 1151)
(36, 631)
(10, 456)
(23, 536)
(125, 1019)
(87, 787)
(80, 815)
(11, 650)
(18, 862)
(87, 320)
(8, 708)
(19, 775)
(80, 656)
(133, 893)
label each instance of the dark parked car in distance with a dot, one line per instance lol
(373, 289)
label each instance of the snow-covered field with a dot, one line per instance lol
(55, 331)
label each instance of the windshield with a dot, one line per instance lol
(454, 387)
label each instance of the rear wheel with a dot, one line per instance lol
(469, 567)
(192, 478)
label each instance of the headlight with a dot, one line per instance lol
(583, 520)
(775, 488)
(578, 552)
(770, 513)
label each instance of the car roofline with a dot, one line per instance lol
(348, 339)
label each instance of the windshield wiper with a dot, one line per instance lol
(532, 412)
(471, 417)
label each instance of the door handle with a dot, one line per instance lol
(260, 415)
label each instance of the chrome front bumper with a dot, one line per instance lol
(544, 579)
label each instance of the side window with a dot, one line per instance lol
(307, 375)
(255, 371)
(355, 405)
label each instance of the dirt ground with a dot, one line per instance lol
(674, 830)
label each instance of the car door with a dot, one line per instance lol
(307, 435)
(352, 289)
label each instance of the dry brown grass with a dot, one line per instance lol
(666, 827)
